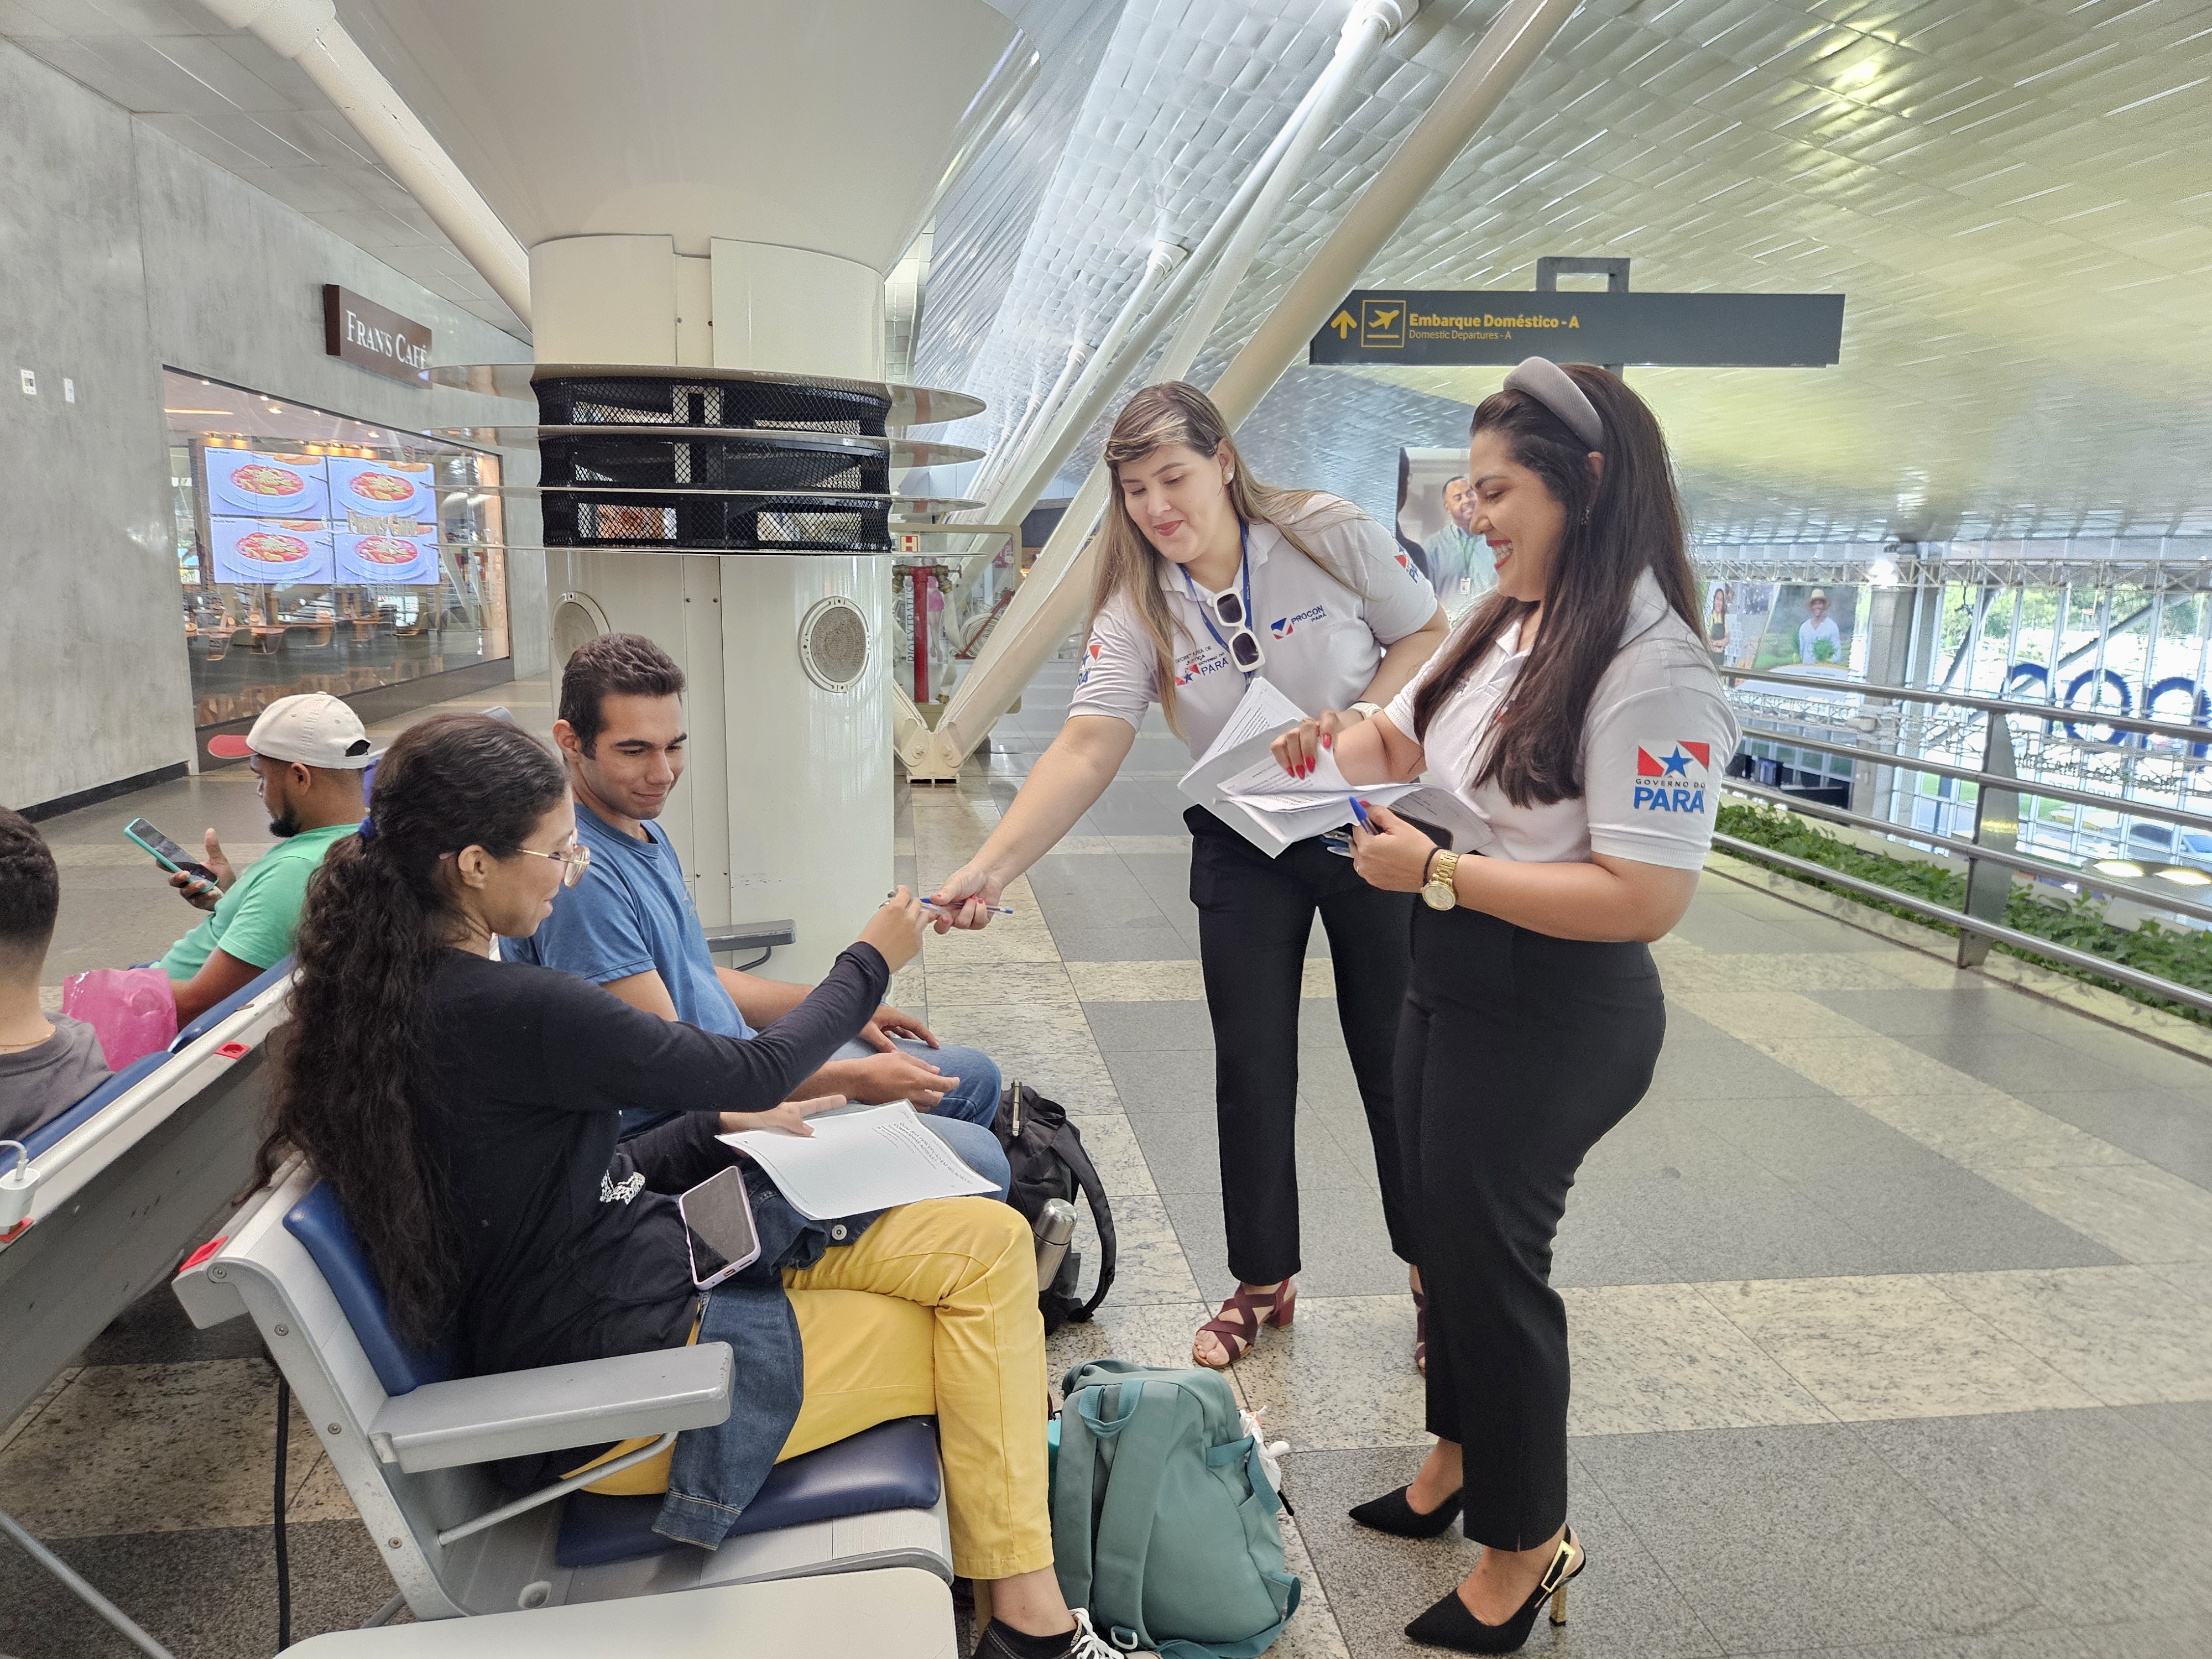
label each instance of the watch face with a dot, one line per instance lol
(1438, 897)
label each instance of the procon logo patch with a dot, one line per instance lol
(1283, 627)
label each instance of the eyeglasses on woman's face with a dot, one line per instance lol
(573, 859)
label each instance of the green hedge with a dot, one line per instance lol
(2182, 955)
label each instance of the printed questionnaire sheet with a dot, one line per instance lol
(857, 1162)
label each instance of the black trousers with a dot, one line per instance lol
(1517, 1052)
(1254, 916)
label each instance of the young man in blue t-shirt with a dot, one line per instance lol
(630, 927)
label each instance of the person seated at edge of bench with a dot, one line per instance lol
(307, 753)
(630, 925)
(48, 1062)
(465, 1111)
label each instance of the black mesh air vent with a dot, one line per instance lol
(645, 463)
(793, 497)
(636, 401)
(775, 524)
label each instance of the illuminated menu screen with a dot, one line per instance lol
(316, 518)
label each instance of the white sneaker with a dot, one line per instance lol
(1083, 1643)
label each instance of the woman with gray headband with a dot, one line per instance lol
(1575, 712)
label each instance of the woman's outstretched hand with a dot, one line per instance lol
(1395, 857)
(895, 930)
(964, 898)
(790, 1117)
(1298, 749)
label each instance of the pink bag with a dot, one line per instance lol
(132, 1011)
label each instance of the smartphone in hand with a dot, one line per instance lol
(167, 853)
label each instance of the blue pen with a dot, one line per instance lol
(938, 905)
(1360, 812)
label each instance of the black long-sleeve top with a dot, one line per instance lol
(568, 1257)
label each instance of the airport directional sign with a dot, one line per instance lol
(1423, 328)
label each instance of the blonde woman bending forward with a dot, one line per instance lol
(1210, 580)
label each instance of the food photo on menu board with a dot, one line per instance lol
(290, 551)
(388, 560)
(267, 486)
(398, 489)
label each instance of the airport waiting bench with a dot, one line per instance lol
(415, 1447)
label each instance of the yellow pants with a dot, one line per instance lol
(931, 1312)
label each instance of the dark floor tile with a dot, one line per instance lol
(1126, 1028)
(1802, 1538)
(1621, 1605)
(1963, 1011)
(2170, 1128)
(1158, 943)
(1152, 1081)
(2073, 1504)
(1939, 1218)
(154, 1331)
(1595, 1246)
(203, 1594)
(2164, 1638)
(1714, 1071)
(2182, 1427)
(1752, 1225)
(2014, 1061)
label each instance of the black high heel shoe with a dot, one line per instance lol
(1449, 1625)
(1391, 1513)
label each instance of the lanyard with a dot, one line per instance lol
(1206, 611)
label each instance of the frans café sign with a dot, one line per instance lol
(382, 342)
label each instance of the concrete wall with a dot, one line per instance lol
(121, 252)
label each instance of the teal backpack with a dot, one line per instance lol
(1163, 1518)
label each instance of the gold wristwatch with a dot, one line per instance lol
(1438, 892)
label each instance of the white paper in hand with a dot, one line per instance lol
(857, 1162)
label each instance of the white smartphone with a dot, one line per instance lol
(718, 1221)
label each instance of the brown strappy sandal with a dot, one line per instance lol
(1237, 1326)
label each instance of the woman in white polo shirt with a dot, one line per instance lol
(1211, 580)
(1575, 713)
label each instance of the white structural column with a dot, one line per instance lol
(308, 33)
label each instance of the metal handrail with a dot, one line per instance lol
(2128, 804)
(2055, 713)
(2102, 967)
(2034, 866)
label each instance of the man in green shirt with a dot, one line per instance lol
(307, 753)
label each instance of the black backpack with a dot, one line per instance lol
(1045, 1152)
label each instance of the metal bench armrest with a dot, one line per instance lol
(750, 936)
(477, 1420)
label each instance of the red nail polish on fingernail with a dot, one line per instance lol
(1327, 741)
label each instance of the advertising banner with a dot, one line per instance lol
(382, 490)
(388, 561)
(1810, 629)
(266, 486)
(290, 551)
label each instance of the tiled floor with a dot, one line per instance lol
(1892, 1304)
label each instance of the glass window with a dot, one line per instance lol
(318, 553)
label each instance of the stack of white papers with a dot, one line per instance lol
(856, 1162)
(1239, 780)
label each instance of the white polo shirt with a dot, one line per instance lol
(1659, 736)
(1323, 640)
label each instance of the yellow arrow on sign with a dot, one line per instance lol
(1342, 324)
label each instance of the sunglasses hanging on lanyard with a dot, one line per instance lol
(1234, 611)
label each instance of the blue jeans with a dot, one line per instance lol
(962, 1120)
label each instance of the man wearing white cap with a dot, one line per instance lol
(307, 753)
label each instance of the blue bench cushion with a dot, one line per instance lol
(320, 1225)
(892, 1466)
(55, 1128)
(230, 1004)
